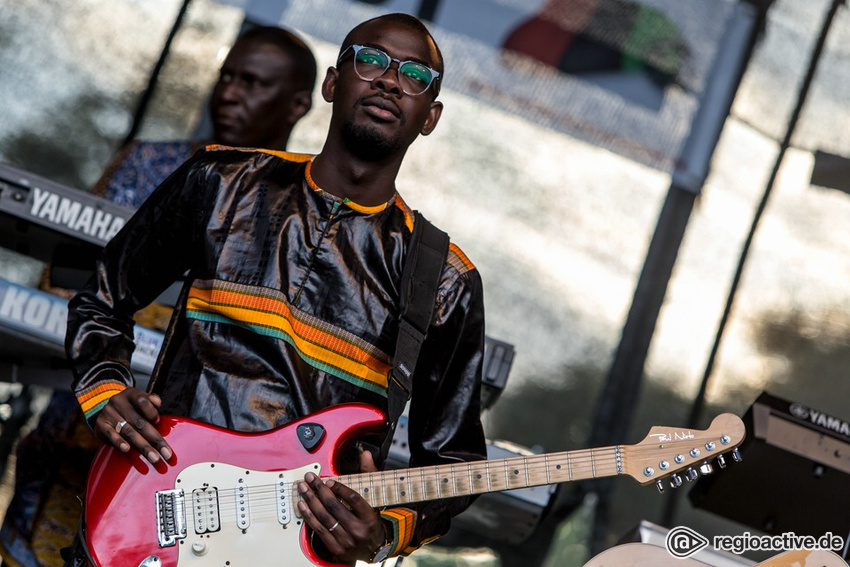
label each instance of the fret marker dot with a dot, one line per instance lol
(558, 467)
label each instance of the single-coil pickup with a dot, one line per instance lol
(243, 517)
(205, 510)
(283, 504)
(170, 517)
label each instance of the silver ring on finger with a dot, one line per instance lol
(333, 527)
(119, 426)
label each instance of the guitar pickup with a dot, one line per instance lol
(205, 512)
(170, 517)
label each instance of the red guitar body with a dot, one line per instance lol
(121, 509)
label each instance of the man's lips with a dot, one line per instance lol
(226, 119)
(381, 108)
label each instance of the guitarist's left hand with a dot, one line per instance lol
(348, 525)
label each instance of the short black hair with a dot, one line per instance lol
(412, 23)
(304, 62)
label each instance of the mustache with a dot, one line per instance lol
(381, 101)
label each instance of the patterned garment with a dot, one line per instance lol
(52, 461)
(139, 168)
(290, 307)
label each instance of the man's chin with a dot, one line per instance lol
(370, 142)
(228, 137)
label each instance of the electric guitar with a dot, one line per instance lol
(228, 499)
(646, 555)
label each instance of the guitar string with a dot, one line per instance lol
(577, 459)
(539, 463)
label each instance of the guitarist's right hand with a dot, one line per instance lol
(127, 421)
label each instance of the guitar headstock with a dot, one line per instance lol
(667, 451)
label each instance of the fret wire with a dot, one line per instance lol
(507, 478)
(469, 477)
(525, 464)
(592, 464)
(570, 465)
(383, 482)
(422, 477)
(454, 480)
(487, 469)
(546, 466)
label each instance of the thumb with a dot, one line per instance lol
(367, 463)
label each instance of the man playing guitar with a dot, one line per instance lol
(291, 299)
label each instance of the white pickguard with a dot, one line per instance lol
(264, 542)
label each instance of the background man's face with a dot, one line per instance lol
(251, 102)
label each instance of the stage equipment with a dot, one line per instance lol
(795, 476)
(54, 223)
(498, 357)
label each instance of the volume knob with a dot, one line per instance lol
(200, 548)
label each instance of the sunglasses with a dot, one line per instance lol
(371, 62)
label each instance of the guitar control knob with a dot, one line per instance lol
(675, 481)
(660, 485)
(721, 461)
(200, 548)
(736, 455)
(691, 475)
(706, 468)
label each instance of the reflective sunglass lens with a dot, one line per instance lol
(415, 76)
(370, 62)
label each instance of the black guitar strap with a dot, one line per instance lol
(420, 278)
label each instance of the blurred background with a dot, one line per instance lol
(632, 178)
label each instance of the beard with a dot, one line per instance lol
(369, 144)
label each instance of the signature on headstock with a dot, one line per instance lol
(676, 436)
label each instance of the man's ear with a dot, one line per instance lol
(434, 114)
(329, 84)
(299, 105)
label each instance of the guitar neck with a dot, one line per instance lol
(403, 486)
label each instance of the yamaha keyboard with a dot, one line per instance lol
(66, 227)
(795, 476)
(39, 217)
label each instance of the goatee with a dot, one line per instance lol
(367, 143)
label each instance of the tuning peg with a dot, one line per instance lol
(721, 461)
(675, 481)
(691, 475)
(706, 468)
(736, 455)
(660, 485)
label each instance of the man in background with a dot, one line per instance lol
(264, 87)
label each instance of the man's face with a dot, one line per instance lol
(252, 102)
(376, 118)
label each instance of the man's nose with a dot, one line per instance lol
(231, 91)
(388, 81)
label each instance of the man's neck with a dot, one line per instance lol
(366, 183)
